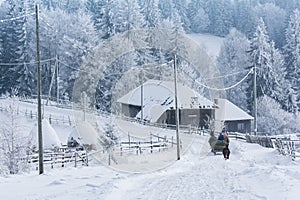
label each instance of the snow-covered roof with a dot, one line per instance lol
(227, 111)
(158, 96)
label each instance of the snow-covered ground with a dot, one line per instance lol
(253, 172)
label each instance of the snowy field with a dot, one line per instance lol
(253, 172)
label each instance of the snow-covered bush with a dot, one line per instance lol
(272, 119)
(13, 144)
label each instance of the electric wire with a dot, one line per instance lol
(26, 63)
(16, 18)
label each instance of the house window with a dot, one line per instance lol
(241, 126)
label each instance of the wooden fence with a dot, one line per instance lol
(155, 143)
(288, 147)
(187, 129)
(60, 157)
(53, 119)
(237, 136)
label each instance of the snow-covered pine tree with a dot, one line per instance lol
(292, 53)
(199, 20)
(151, 12)
(244, 18)
(260, 56)
(130, 15)
(275, 20)
(70, 36)
(72, 6)
(183, 19)
(166, 8)
(233, 59)
(15, 48)
(283, 92)
(170, 15)
(96, 9)
(25, 81)
(107, 24)
(220, 14)
(289, 6)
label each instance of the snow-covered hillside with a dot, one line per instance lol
(211, 43)
(253, 172)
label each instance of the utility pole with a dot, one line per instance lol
(176, 110)
(255, 100)
(142, 95)
(51, 83)
(84, 100)
(57, 79)
(40, 135)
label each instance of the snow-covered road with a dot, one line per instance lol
(252, 172)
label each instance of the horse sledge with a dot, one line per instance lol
(216, 145)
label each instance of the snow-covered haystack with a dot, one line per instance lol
(85, 134)
(50, 138)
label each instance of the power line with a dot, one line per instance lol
(77, 69)
(228, 75)
(16, 18)
(226, 88)
(211, 88)
(28, 63)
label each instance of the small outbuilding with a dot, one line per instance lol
(233, 117)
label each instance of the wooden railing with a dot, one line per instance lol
(155, 143)
(59, 157)
(188, 129)
(288, 147)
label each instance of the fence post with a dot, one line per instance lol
(75, 159)
(70, 123)
(52, 160)
(86, 157)
(129, 140)
(50, 119)
(151, 146)
(63, 160)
